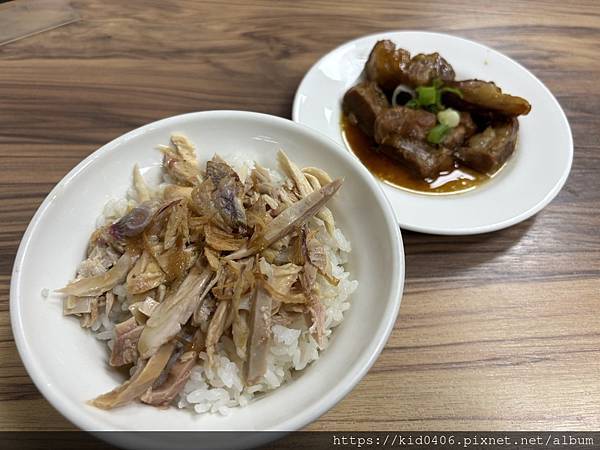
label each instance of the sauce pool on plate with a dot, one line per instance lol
(391, 172)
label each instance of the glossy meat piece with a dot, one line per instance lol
(405, 122)
(389, 67)
(402, 133)
(386, 65)
(363, 103)
(425, 160)
(486, 98)
(487, 151)
(424, 69)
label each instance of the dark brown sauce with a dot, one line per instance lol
(461, 179)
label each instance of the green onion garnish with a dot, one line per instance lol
(413, 104)
(427, 95)
(437, 83)
(449, 117)
(437, 133)
(430, 97)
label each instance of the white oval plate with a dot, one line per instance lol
(532, 177)
(68, 365)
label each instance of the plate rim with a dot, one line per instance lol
(455, 231)
(87, 422)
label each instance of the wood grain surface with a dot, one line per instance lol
(496, 332)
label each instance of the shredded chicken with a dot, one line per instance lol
(305, 188)
(143, 193)
(180, 161)
(77, 305)
(92, 286)
(180, 372)
(260, 334)
(215, 329)
(210, 261)
(289, 219)
(124, 349)
(173, 312)
(142, 379)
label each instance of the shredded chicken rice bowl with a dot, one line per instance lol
(217, 284)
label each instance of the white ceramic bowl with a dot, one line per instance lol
(533, 175)
(68, 365)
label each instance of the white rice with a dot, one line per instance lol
(221, 387)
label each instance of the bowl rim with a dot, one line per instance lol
(87, 422)
(469, 230)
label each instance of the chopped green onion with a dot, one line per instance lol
(449, 117)
(427, 95)
(437, 133)
(438, 101)
(430, 97)
(437, 83)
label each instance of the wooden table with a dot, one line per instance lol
(496, 332)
